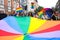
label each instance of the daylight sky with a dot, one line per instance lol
(47, 3)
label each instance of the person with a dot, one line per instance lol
(54, 16)
(44, 16)
(59, 16)
(30, 14)
(36, 15)
(3, 15)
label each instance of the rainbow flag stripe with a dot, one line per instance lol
(29, 28)
(19, 9)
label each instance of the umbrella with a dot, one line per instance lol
(29, 28)
(49, 12)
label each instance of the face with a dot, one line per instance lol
(56, 12)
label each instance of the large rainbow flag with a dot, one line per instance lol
(29, 28)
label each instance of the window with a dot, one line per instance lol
(9, 5)
(1, 4)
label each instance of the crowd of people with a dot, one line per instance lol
(53, 15)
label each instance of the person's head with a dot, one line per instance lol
(56, 13)
(30, 14)
(3, 15)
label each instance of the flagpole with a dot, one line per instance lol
(19, 3)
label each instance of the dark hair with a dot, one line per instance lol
(3, 15)
(30, 14)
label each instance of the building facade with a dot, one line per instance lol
(1, 5)
(9, 6)
(58, 6)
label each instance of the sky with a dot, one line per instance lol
(47, 3)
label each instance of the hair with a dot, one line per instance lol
(3, 15)
(30, 14)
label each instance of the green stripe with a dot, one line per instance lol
(40, 16)
(26, 37)
(23, 22)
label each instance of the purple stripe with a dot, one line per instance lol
(55, 34)
(4, 26)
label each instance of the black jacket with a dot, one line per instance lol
(2, 16)
(54, 17)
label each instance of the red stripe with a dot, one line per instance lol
(4, 33)
(55, 28)
(18, 8)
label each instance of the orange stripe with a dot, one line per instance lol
(47, 25)
(9, 37)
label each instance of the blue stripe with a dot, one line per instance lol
(11, 21)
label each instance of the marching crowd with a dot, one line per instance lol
(53, 16)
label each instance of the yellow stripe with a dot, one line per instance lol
(47, 24)
(10, 37)
(39, 13)
(35, 24)
(19, 38)
(19, 9)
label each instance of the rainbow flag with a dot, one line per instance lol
(32, 5)
(47, 11)
(19, 9)
(41, 12)
(29, 28)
